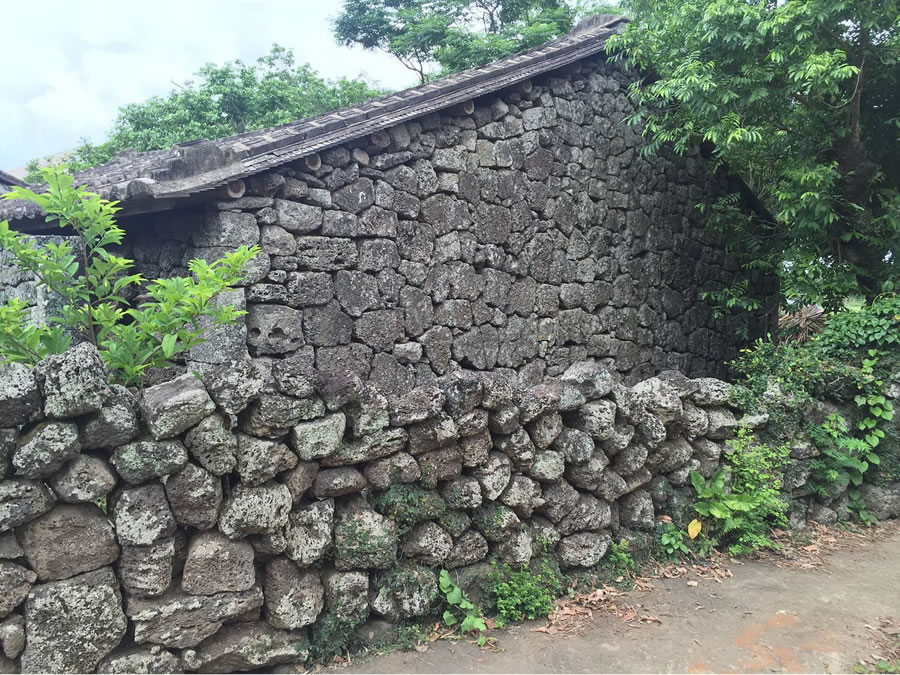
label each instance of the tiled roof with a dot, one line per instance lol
(193, 167)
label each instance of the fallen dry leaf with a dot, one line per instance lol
(692, 583)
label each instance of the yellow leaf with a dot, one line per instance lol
(694, 528)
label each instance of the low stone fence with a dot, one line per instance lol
(207, 526)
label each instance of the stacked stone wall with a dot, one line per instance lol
(219, 525)
(520, 238)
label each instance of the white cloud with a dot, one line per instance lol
(81, 61)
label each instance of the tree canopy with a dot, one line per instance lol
(800, 99)
(223, 100)
(456, 34)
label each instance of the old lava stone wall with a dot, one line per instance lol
(520, 238)
(234, 523)
(208, 525)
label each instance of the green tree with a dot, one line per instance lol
(223, 100)
(94, 284)
(800, 99)
(455, 34)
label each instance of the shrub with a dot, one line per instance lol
(670, 542)
(94, 284)
(523, 595)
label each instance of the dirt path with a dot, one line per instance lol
(764, 619)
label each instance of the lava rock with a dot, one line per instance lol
(172, 407)
(217, 564)
(72, 624)
(294, 598)
(74, 383)
(142, 460)
(83, 479)
(45, 449)
(195, 496)
(141, 515)
(68, 540)
(255, 510)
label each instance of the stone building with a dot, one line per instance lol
(502, 219)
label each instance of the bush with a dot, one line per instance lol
(94, 285)
(522, 595)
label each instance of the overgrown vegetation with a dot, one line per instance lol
(461, 611)
(740, 503)
(96, 288)
(800, 100)
(526, 593)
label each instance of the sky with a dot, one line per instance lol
(67, 72)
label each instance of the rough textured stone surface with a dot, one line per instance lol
(178, 620)
(195, 496)
(294, 598)
(12, 636)
(427, 543)
(260, 460)
(152, 660)
(346, 593)
(336, 482)
(116, 423)
(213, 445)
(364, 539)
(69, 540)
(216, 564)
(175, 406)
(84, 479)
(398, 468)
(72, 624)
(74, 383)
(16, 583)
(22, 500)
(141, 515)
(143, 460)
(20, 397)
(318, 438)
(147, 570)
(308, 533)
(45, 449)
(404, 592)
(584, 549)
(249, 646)
(255, 510)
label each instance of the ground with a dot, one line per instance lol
(816, 613)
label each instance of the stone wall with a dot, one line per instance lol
(219, 525)
(521, 238)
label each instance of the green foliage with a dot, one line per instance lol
(94, 285)
(461, 611)
(843, 461)
(620, 560)
(223, 100)
(331, 635)
(848, 362)
(523, 594)
(800, 100)
(741, 503)
(671, 544)
(456, 34)
(409, 504)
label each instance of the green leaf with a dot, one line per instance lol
(449, 619)
(168, 345)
